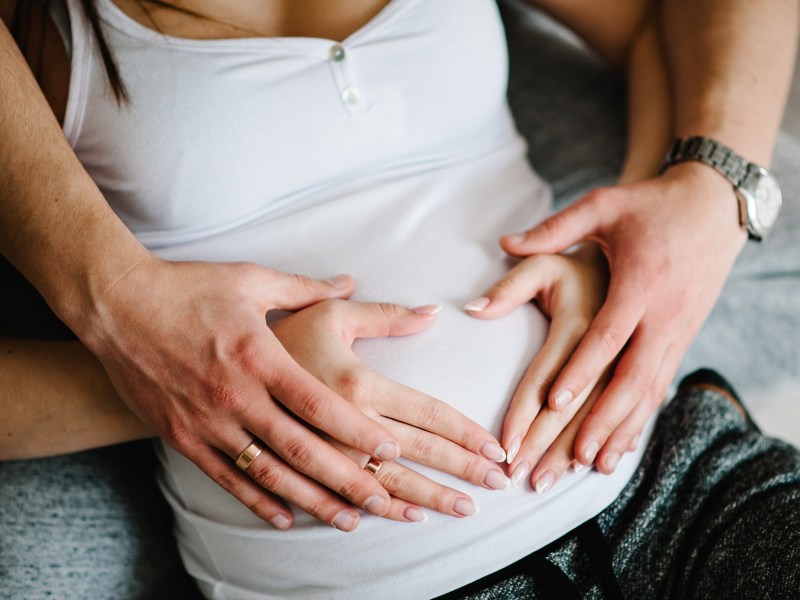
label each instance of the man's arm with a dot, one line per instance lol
(672, 240)
(162, 330)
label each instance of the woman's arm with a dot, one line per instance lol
(55, 398)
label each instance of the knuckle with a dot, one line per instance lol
(262, 508)
(178, 435)
(269, 476)
(441, 499)
(349, 383)
(303, 284)
(298, 454)
(393, 480)
(610, 340)
(311, 406)
(431, 416)
(422, 449)
(504, 288)
(226, 398)
(471, 470)
(318, 507)
(227, 480)
(350, 488)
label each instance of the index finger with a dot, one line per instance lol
(413, 407)
(607, 335)
(316, 404)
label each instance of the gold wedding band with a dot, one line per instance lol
(248, 455)
(373, 466)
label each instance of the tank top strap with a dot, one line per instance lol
(84, 63)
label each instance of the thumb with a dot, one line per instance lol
(373, 319)
(290, 291)
(559, 231)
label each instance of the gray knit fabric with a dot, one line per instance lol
(712, 512)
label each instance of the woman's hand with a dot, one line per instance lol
(569, 288)
(430, 432)
(187, 347)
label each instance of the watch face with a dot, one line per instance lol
(767, 199)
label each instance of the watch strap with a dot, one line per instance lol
(711, 152)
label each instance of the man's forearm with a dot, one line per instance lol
(730, 64)
(55, 225)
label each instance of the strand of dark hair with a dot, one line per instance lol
(27, 13)
(112, 70)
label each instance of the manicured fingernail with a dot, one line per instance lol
(611, 461)
(578, 467)
(340, 281)
(412, 513)
(545, 482)
(493, 451)
(427, 309)
(280, 522)
(464, 507)
(634, 443)
(376, 505)
(345, 521)
(515, 238)
(477, 305)
(513, 448)
(388, 451)
(590, 451)
(520, 473)
(562, 399)
(496, 480)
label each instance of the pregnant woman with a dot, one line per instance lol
(390, 155)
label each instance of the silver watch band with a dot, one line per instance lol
(732, 166)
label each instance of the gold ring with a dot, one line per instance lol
(373, 466)
(248, 455)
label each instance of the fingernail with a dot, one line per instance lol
(590, 451)
(496, 480)
(513, 448)
(515, 238)
(545, 482)
(280, 522)
(578, 467)
(634, 443)
(340, 281)
(562, 399)
(427, 309)
(464, 507)
(376, 505)
(520, 473)
(493, 451)
(477, 305)
(345, 521)
(611, 461)
(414, 514)
(388, 451)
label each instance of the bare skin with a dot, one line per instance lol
(54, 242)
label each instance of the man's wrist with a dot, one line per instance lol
(757, 192)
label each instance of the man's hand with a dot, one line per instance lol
(670, 242)
(430, 432)
(187, 347)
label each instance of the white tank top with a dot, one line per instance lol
(392, 156)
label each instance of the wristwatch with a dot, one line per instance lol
(758, 193)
